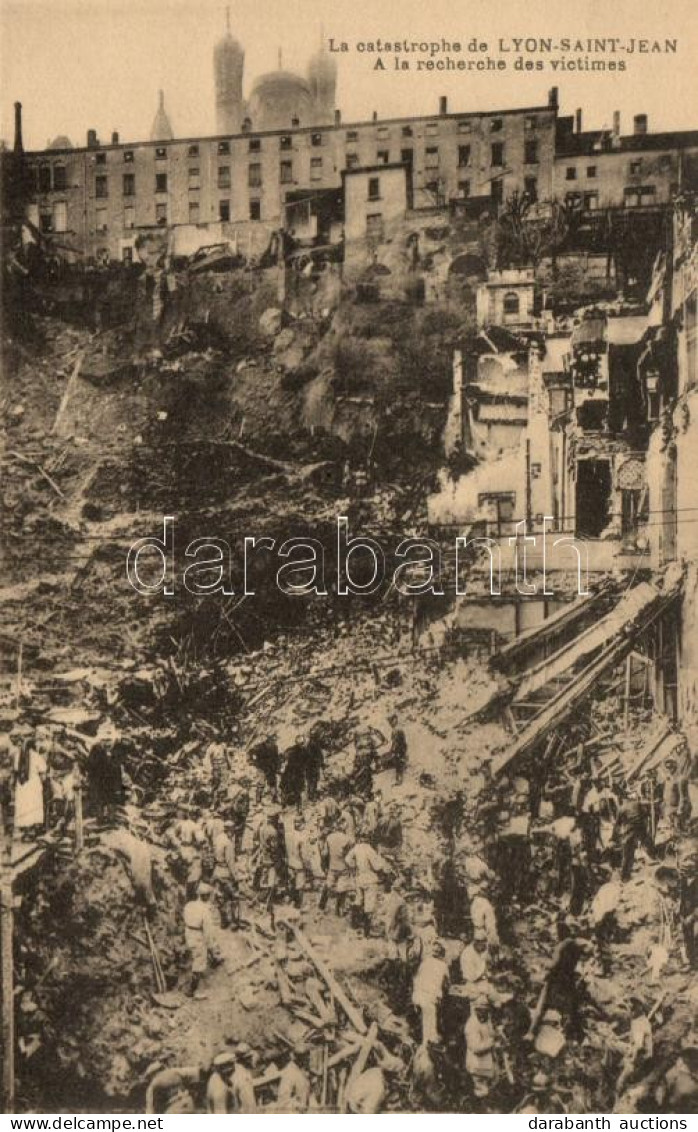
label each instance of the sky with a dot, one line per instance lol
(80, 64)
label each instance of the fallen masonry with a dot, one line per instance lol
(350, 852)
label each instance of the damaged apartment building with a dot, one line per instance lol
(591, 425)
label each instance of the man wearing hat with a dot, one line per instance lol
(241, 1082)
(337, 883)
(428, 989)
(294, 1083)
(30, 770)
(271, 859)
(170, 1091)
(474, 959)
(199, 934)
(483, 916)
(225, 878)
(298, 858)
(238, 810)
(369, 866)
(218, 1088)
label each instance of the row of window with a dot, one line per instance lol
(286, 168)
(316, 139)
(55, 219)
(128, 186)
(634, 167)
(633, 197)
(49, 223)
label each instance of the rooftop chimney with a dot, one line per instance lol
(616, 123)
(295, 120)
(578, 121)
(115, 137)
(552, 97)
(640, 124)
(19, 147)
(92, 142)
(375, 115)
(337, 117)
(443, 105)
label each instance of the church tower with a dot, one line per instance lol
(322, 79)
(161, 129)
(228, 65)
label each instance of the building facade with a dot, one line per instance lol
(94, 197)
(606, 169)
(287, 139)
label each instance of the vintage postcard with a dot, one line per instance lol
(349, 597)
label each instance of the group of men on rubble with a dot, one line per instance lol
(209, 855)
(345, 863)
(592, 827)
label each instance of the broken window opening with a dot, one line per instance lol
(593, 492)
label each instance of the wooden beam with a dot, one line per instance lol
(351, 1011)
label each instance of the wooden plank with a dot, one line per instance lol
(351, 1011)
(360, 1063)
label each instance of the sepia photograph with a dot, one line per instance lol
(349, 548)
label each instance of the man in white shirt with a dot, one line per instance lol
(429, 986)
(369, 866)
(200, 935)
(474, 959)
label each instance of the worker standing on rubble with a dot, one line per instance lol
(297, 858)
(29, 773)
(217, 766)
(561, 987)
(631, 830)
(687, 866)
(293, 1095)
(314, 762)
(369, 866)
(199, 935)
(338, 880)
(362, 770)
(242, 1095)
(266, 758)
(373, 812)
(102, 785)
(184, 837)
(217, 1087)
(397, 751)
(170, 1091)
(238, 810)
(474, 961)
(480, 1047)
(329, 813)
(483, 916)
(293, 778)
(271, 860)
(225, 878)
(428, 989)
(202, 864)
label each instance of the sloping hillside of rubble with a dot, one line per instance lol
(235, 413)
